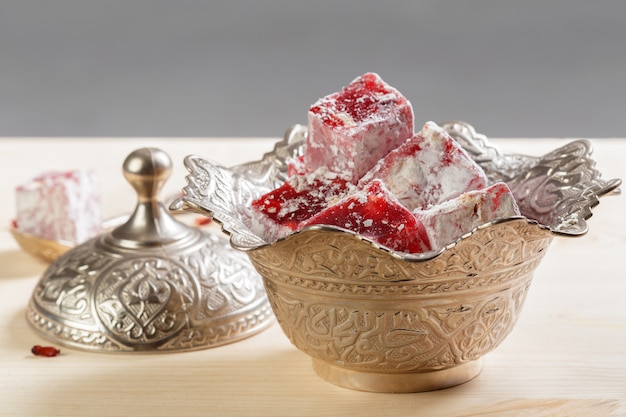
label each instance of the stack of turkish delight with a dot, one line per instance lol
(365, 170)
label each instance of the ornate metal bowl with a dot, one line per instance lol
(377, 320)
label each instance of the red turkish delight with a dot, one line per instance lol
(280, 212)
(448, 221)
(350, 130)
(376, 214)
(365, 171)
(427, 169)
(60, 206)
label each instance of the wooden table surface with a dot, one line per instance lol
(565, 357)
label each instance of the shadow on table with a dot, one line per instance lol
(18, 264)
(246, 378)
(250, 377)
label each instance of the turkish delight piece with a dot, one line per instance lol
(427, 169)
(374, 213)
(280, 211)
(60, 206)
(448, 221)
(295, 166)
(350, 130)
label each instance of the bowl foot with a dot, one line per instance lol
(397, 382)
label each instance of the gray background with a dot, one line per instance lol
(251, 68)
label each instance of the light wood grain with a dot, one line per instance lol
(548, 408)
(566, 356)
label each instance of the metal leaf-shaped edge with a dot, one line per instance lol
(557, 191)
(226, 194)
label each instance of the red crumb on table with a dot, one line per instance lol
(203, 221)
(47, 351)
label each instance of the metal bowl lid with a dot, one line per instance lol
(153, 284)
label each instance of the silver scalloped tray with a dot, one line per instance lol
(556, 191)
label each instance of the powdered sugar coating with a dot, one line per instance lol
(449, 220)
(60, 206)
(374, 213)
(281, 211)
(350, 130)
(427, 169)
(364, 170)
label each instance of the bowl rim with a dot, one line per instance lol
(208, 181)
(405, 256)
